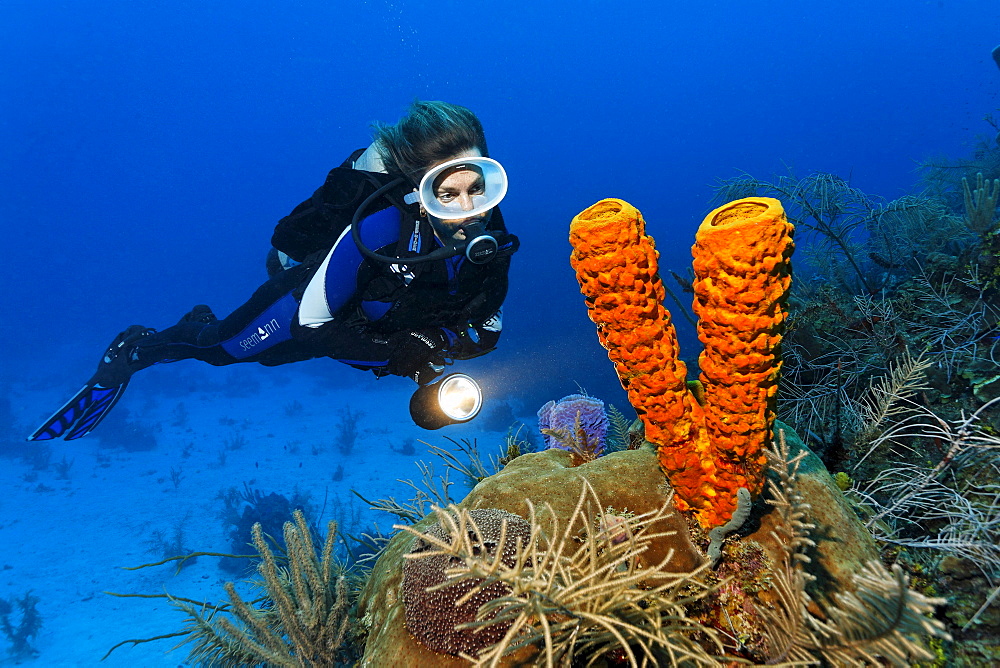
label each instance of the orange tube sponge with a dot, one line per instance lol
(707, 454)
(742, 273)
(616, 265)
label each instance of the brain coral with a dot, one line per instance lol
(431, 616)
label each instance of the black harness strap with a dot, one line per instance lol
(409, 224)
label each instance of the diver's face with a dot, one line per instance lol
(456, 189)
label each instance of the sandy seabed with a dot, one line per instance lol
(66, 540)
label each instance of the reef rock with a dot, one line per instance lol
(843, 545)
(631, 481)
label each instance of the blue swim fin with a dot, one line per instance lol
(87, 408)
(81, 414)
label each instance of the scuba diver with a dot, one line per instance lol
(397, 264)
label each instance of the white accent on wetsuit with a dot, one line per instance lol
(313, 309)
(370, 160)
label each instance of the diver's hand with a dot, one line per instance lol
(428, 373)
(413, 353)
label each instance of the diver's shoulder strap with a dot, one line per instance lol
(412, 231)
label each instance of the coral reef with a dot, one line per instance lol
(583, 581)
(554, 483)
(302, 619)
(889, 369)
(629, 584)
(600, 571)
(438, 615)
(709, 451)
(577, 423)
(244, 509)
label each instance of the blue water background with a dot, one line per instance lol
(148, 149)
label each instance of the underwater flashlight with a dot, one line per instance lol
(453, 399)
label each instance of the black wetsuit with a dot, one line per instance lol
(455, 300)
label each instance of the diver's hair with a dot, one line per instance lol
(430, 132)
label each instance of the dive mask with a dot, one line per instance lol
(490, 191)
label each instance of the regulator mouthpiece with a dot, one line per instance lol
(480, 245)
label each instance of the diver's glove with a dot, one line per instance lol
(121, 360)
(417, 354)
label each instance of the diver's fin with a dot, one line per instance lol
(81, 414)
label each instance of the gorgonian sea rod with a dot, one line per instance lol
(742, 274)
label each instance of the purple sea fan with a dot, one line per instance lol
(576, 423)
